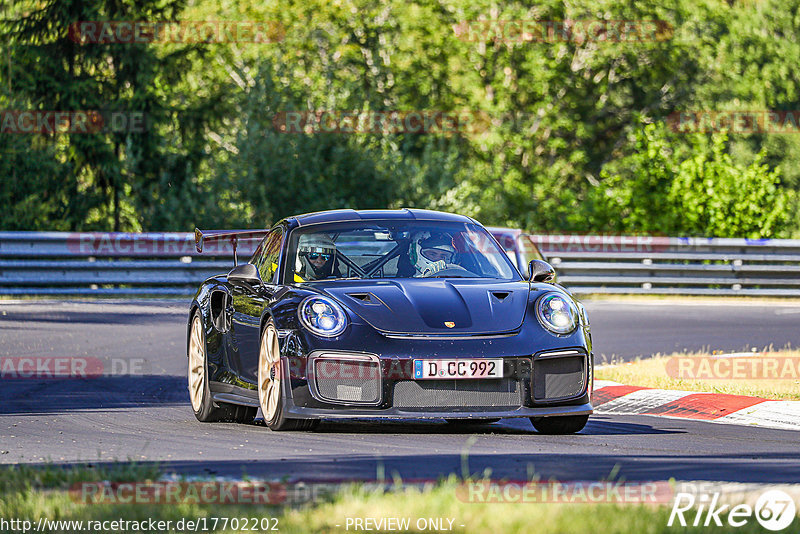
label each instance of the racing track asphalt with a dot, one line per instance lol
(146, 416)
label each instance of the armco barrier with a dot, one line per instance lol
(664, 265)
(109, 264)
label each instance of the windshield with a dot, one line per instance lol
(395, 249)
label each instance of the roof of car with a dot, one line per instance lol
(363, 215)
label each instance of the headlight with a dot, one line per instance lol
(557, 313)
(322, 316)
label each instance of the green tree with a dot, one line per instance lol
(666, 186)
(119, 178)
(564, 136)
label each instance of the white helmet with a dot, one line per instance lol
(427, 250)
(312, 246)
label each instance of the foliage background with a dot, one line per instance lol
(579, 140)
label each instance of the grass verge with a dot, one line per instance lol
(30, 493)
(770, 375)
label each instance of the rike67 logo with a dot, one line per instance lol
(774, 510)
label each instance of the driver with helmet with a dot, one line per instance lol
(316, 257)
(430, 254)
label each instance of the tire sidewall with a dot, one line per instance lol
(206, 406)
(278, 418)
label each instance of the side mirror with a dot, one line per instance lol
(541, 271)
(245, 273)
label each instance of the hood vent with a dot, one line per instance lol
(500, 295)
(366, 298)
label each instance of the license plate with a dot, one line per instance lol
(462, 368)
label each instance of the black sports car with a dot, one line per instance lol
(386, 314)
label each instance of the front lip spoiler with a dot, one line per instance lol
(398, 413)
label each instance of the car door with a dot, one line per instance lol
(249, 302)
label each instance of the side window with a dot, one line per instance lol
(270, 251)
(256, 257)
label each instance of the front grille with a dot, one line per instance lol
(496, 393)
(342, 380)
(558, 377)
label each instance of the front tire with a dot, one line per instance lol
(270, 390)
(569, 424)
(199, 392)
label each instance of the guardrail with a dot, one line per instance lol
(109, 264)
(97, 263)
(664, 265)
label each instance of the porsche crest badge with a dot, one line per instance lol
(449, 324)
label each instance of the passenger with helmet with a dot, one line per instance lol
(430, 254)
(316, 257)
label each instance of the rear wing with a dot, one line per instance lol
(203, 237)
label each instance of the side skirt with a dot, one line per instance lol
(234, 394)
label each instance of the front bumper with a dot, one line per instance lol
(525, 392)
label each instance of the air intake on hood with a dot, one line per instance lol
(366, 298)
(500, 295)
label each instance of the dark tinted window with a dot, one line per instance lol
(395, 249)
(267, 254)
